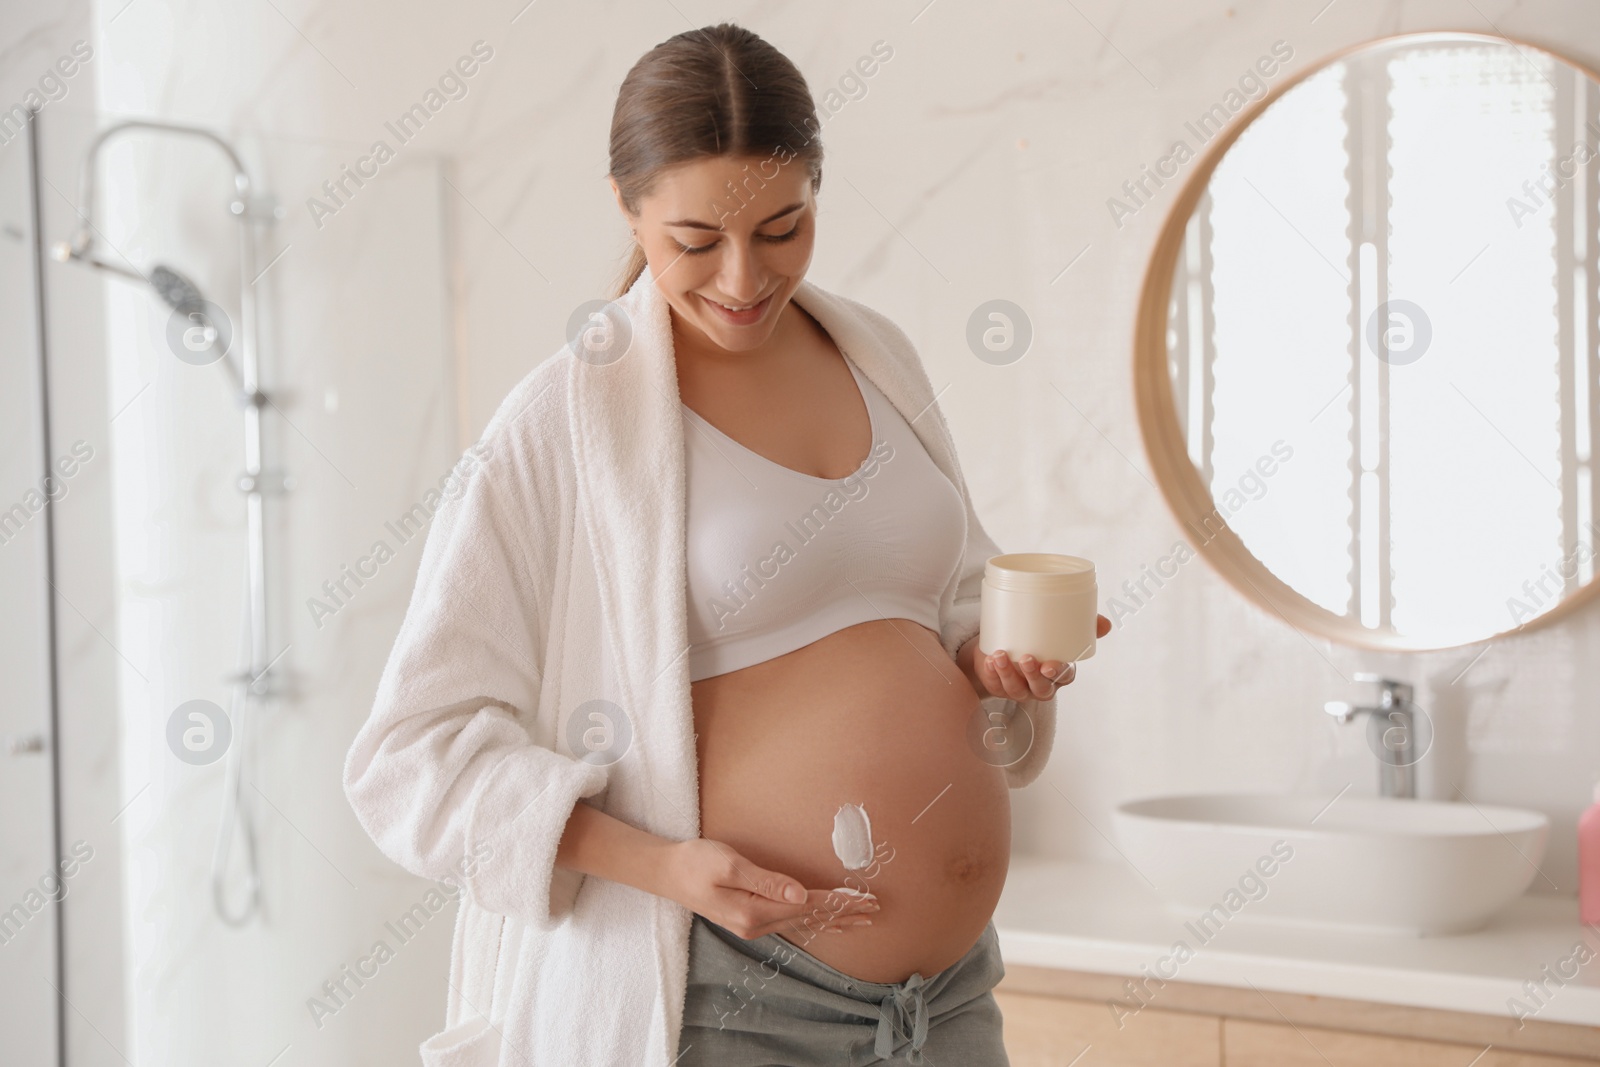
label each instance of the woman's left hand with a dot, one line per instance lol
(998, 675)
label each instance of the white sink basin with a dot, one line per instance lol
(1382, 865)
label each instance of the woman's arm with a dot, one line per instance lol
(606, 847)
(707, 877)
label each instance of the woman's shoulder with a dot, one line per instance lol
(537, 404)
(529, 434)
(536, 411)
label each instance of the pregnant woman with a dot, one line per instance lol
(688, 701)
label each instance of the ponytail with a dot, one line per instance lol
(631, 272)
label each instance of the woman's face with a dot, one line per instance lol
(710, 246)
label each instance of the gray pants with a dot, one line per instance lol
(764, 1002)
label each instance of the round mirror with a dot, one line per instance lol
(1367, 359)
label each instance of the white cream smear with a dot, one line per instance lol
(858, 894)
(852, 837)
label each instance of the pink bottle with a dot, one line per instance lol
(1589, 862)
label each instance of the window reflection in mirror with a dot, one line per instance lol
(1391, 276)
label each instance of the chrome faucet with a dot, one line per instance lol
(1390, 733)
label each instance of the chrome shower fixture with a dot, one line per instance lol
(252, 683)
(179, 292)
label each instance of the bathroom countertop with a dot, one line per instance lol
(1102, 917)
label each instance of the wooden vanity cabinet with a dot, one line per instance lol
(1056, 1018)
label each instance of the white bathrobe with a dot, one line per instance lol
(555, 578)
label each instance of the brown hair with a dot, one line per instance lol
(716, 91)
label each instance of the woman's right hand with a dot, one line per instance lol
(712, 880)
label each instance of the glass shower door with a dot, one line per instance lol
(29, 876)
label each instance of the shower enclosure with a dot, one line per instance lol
(361, 396)
(37, 863)
(31, 847)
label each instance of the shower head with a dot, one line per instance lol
(176, 291)
(183, 297)
(179, 292)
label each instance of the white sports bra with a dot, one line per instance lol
(778, 558)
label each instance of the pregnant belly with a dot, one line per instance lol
(877, 715)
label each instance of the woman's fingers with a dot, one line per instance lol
(1027, 677)
(824, 910)
(1010, 679)
(841, 903)
(835, 911)
(806, 927)
(757, 916)
(1022, 679)
(818, 907)
(1059, 673)
(1041, 686)
(844, 909)
(769, 884)
(751, 901)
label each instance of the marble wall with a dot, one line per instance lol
(399, 311)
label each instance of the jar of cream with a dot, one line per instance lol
(1039, 604)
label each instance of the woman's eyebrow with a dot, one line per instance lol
(705, 226)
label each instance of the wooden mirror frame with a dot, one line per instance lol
(1186, 495)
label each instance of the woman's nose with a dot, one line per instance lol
(741, 279)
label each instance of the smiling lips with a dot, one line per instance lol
(746, 317)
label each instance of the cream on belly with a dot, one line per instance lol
(852, 836)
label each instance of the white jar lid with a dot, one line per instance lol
(1042, 572)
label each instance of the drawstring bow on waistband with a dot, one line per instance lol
(903, 1011)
